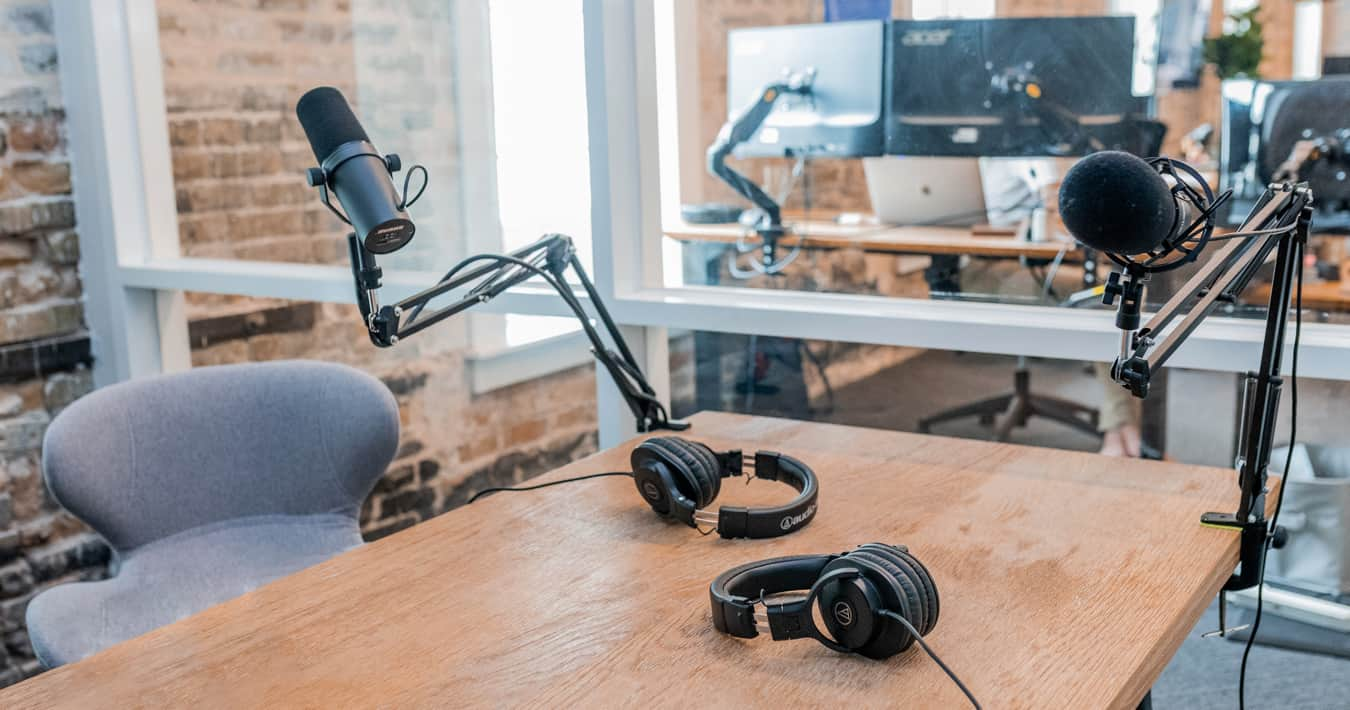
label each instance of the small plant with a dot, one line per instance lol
(1237, 52)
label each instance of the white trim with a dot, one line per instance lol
(503, 367)
(113, 84)
(315, 282)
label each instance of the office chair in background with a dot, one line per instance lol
(208, 484)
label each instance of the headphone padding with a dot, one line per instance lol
(927, 585)
(689, 466)
(911, 575)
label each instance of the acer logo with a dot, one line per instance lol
(925, 38)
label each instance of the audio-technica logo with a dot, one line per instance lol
(650, 490)
(791, 521)
(925, 38)
(843, 613)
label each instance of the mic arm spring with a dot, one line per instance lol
(549, 258)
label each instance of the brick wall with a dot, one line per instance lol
(44, 348)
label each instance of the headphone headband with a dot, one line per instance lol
(737, 521)
(736, 591)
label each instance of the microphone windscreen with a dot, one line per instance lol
(1115, 202)
(328, 121)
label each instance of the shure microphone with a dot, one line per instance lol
(1117, 203)
(352, 168)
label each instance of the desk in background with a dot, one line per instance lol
(1066, 579)
(888, 239)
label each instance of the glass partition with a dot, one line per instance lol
(936, 178)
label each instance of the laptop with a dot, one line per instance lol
(926, 191)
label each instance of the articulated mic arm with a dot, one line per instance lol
(1280, 223)
(739, 129)
(492, 274)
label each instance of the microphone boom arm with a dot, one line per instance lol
(739, 129)
(550, 257)
(1279, 222)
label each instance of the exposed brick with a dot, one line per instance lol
(402, 385)
(290, 318)
(41, 320)
(38, 58)
(31, 19)
(67, 555)
(41, 177)
(23, 433)
(409, 447)
(16, 579)
(63, 388)
(9, 545)
(36, 134)
(23, 218)
(22, 361)
(62, 248)
(383, 530)
(417, 500)
(394, 479)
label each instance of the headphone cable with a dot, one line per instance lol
(950, 674)
(486, 491)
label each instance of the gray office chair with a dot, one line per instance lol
(207, 484)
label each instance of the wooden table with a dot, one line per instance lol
(884, 238)
(1067, 580)
(1320, 295)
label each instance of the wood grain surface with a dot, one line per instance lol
(885, 238)
(1067, 580)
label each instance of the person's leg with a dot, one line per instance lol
(1119, 421)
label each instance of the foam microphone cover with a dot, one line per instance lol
(328, 121)
(1115, 202)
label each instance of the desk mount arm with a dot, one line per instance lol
(549, 258)
(739, 129)
(1279, 222)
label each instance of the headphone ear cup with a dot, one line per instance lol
(923, 580)
(688, 466)
(710, 472)
(909, 589)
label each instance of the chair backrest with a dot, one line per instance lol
(142, 460)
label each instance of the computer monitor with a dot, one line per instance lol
(1262, 122)
(842, 115)
(1013, 87)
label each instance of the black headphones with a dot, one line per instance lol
(679, 479)
(872, 600)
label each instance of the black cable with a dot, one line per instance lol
(1284, 481)
(934, 656)
(486, 491)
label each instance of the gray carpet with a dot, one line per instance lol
(1204, 673)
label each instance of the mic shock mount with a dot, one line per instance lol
(1279, 222)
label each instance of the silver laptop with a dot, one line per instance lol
(926, 191)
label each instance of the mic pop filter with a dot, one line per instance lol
(1117, 203)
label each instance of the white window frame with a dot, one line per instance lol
(134, 274)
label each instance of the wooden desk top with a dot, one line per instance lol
(1321, 295)
(885, 238)
(1067, 580)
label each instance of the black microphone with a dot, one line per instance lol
(352, 168)
(1117, 203)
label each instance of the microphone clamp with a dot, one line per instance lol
(322, 176)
